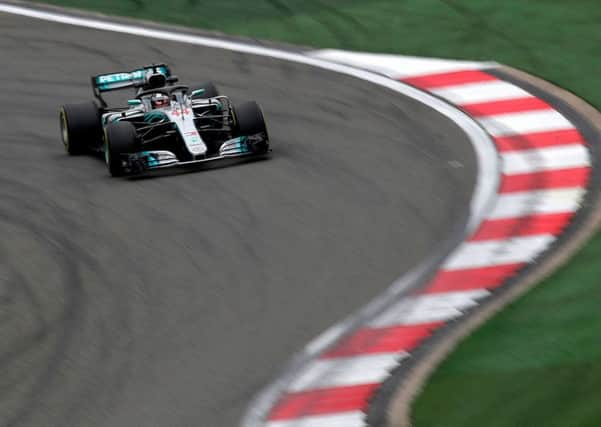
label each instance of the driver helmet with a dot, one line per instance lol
(159, 100)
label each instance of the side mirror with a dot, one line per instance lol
(197, 92)
(133, 102)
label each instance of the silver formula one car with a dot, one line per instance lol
(165, 125)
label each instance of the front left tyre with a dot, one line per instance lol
(80, 127)
(248, 121)
(210, 90)
(120, 139)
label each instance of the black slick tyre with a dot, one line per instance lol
(249, 119)
(80, 127)
(210, 90)
(249, 122)
(120, 138)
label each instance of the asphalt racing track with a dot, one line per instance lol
(171, 301)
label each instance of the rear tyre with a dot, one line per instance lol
(210, 90)
(120, 138)
(80, 127)
(249, 122)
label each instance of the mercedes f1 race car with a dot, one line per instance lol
(165, 125)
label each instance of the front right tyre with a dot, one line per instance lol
(119, 138)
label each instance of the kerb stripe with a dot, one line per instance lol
(522, 226)
(452, 78)
(390, 339)
(545, 180)
(472, 278)
(517, 105)
(324, 401)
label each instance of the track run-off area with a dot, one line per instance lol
(173, 300)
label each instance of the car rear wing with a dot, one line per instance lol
(126, 79)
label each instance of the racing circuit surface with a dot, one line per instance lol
(171, 301)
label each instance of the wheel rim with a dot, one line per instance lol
(107, 157)
(64, 130)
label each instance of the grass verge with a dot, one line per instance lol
(539, 361)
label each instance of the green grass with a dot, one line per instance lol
(538, 363)
(557, 39)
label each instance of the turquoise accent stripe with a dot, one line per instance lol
(154, 116)
(151, 161)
